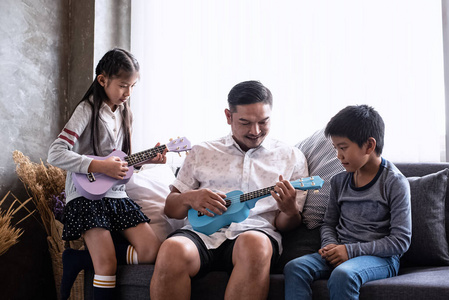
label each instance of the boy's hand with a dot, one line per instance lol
(326, 248)
(334, 254)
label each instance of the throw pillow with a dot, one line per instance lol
(149, 188)
(429, 244)
(322, 161)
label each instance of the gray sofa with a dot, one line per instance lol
(424, 272)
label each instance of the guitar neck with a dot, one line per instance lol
(310, 183)
(265, 192)
(142, 156)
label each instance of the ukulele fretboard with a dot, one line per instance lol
(144, 155)
(253, 195)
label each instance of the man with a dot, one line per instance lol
(245, 160)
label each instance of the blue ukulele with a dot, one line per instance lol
(238, 205)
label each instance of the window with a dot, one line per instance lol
(315, 56)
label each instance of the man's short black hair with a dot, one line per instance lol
(249, 92)
(358, 123)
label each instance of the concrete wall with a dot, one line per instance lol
(47, 50)
(33, 62)
(111, 16)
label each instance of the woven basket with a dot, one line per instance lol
(41, 182)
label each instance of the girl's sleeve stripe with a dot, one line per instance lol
(71, 132)
(66, 139)
(69, 136)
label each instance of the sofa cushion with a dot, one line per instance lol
(421, 169)
(418, 283)
(429, 244)
(148, 188)
(323, 162)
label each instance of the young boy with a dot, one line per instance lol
(367, 225)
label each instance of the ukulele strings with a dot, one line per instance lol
(248, 196)
(144, 155)
(255, 194)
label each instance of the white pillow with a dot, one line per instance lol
(149, 187)
(322, 161)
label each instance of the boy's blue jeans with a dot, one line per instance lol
(344, 281)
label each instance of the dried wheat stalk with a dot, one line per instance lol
(9, 234)
(41, 182)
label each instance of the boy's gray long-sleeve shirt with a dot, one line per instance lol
(370, 220)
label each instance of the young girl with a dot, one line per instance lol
(101, 123)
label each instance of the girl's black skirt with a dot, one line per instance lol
(82, 214)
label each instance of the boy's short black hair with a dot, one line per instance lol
(249, 92)
(358, 123)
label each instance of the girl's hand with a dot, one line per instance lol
(114, 167)
(159, 158)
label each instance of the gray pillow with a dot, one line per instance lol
(322, 161)
(429, 244)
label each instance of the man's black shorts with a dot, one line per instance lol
(219, 259)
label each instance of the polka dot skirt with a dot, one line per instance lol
(82, 214)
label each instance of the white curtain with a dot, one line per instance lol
(315, 56)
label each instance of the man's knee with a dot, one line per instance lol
(178, 254)
(252, 246)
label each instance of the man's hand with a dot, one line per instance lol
(206, 201)
(285, 195)
(334, 254)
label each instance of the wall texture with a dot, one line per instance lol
(112, 26)
(33, 63)
(47, 50)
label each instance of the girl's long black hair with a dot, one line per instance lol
(115, 63)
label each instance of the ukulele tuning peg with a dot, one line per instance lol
(316, 191)
(170, 139)
(179, 154)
